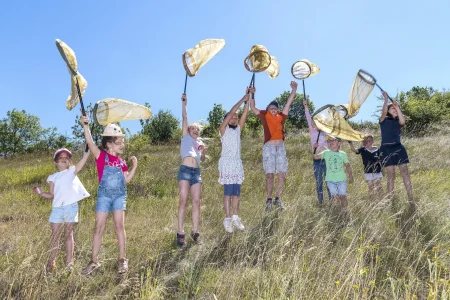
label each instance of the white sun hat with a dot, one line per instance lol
(112, 130)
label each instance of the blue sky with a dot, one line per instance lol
(132, 50)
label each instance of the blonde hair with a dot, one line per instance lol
(195, 125)
(366, 137)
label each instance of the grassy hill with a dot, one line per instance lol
(385, 252)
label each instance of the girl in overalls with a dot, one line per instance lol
(113, 174)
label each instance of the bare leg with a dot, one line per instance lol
(281, 180)
(69, 243)
(196, 193)
(407, 181)
(119, 227)
(371, 184)
(269, 184)
(54, 243)
(100, 222)
(378, 188)
(235, 205)
(226, 206)
(390, 171)
(183, 187)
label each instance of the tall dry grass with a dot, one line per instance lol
(385, 251)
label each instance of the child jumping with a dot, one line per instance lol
(372, 166)
(192, 151)
(231, 171)
(65, 191)
(336, 178)
(113, 175)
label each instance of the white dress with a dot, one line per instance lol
(230, 165)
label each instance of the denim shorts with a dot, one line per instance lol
(232, 190)
(64, 214)
(337, 188)
(190, 174)
(111, 199)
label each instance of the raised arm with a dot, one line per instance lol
(87, 135)
(255, 110)
(401, 117)
(384, 109)
(233, 110)
(184, 122)
(291, 98)
(82, 161)
(129, 175)
(244, 113)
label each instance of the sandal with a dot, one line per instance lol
(123, 266)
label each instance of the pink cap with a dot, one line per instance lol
(61, 151)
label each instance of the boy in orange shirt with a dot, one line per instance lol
(274, 152)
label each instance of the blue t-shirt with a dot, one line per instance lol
(371, 160)
(390, 131)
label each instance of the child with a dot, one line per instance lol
(392, 152)
(65, 190)
(318, 140)
(274, 152)
(372, 167)
(112, 193)
(189, 179)
(336, 178)
(230, 164)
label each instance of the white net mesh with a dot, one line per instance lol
(274, 68)
(361, 89)
(303, 69)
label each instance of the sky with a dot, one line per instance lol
(132, 50)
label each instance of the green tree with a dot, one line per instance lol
(50, 140)
(296, 117)
(161, 128)
(18, 131)
(215, 119)
(96, 130)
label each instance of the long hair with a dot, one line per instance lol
(388, 114)
(106, 140)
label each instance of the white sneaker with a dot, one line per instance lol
(228, 225)
(237, 222)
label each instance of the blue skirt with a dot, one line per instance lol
(393, 155)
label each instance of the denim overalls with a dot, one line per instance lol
(112, 193)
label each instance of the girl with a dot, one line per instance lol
(230, 164)
(392, 152)
(189, 179)
(65, 191)
(112, 193)
(372, 167)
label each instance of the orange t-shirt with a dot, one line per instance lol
(273, 125)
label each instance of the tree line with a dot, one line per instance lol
(21, 132)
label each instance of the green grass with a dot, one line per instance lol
(385, 252)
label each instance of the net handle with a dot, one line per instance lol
(185, 83)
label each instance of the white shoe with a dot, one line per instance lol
(237, 222)
(228, 225)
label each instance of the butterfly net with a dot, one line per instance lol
(111, 110)
(303, 69)
(331, 120)
(361, 88)
(259, 59)
(195, 58)
(72, 66)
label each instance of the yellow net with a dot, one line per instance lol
(303, 69)
(195, 58)
(361, 88)
(111, 110)
(330, 119)
(258, 60)
(72, 66)
(274, 68)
